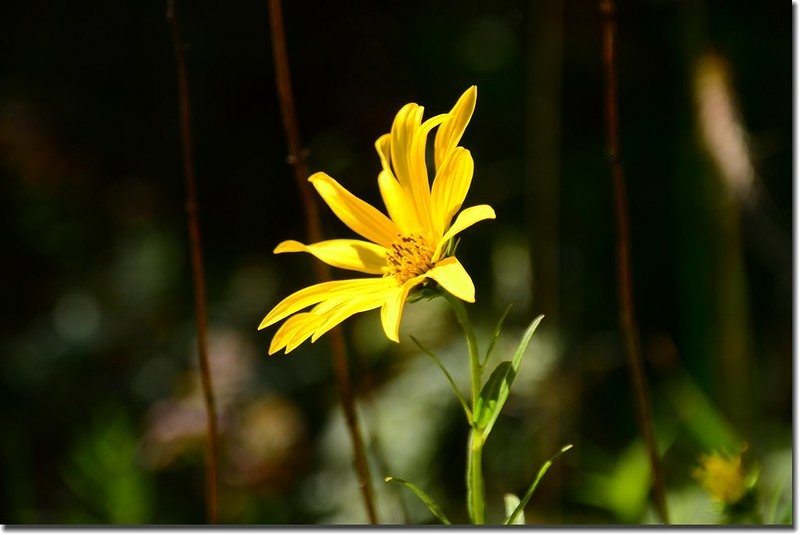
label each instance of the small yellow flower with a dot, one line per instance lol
(722, 477)
(404, 249)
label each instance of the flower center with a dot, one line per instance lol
(410, 256)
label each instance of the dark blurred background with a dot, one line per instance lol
(102, 419)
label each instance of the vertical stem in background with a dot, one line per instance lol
(720, 123)
(476, 499)
(733, 323)
(627, 317)
(544, 44)
(198, 277)
(543, 154)
(298, 163)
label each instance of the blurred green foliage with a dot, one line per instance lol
(104, 475)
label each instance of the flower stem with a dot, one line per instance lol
(472, 345)
(476, 492)
(476, 500)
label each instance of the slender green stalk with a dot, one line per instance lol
(542, 471)
(427, 500)
(476, 500)
(476, 491)
(472, 345)
(453, 385)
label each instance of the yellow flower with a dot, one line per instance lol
(404, 249)
(722, 477)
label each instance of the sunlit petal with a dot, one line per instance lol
(396, 202)
(420, 187)
(384, 147)
(392, 309)
(453, 278)
(406, 122)
(347, 309)
(449, 134)
(294, 331)
(355, 213)
(450, 187)
(357, 255)
(320, 292)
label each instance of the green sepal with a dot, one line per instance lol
(495, 392)
(511, 519)
(425, 291)
(427, 500)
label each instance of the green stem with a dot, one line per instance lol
(476, 501)
(472, 344)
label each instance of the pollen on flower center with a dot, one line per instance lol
(410, 256)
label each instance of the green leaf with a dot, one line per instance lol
(453, 384)
(432, 505)
(493, 395)
(542, 471)
(495, 392)
(511, 502)
(497, 330)
(526, 338)
(622, 490)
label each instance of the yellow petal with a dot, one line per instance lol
(294, 331)
(384, 148)
(449, 134)
(467, 218)
(406, 122)
(357, 255)
(392, 309)
(420, 189)
(323, 317)
(360, 216)
(321, 292)
(453, 278)
(396, 202)
(347, 309)
(450, 187)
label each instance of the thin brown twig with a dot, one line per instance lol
(627, 317)
(313, 229)
(198, 276)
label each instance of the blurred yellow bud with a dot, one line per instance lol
(722, 477)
